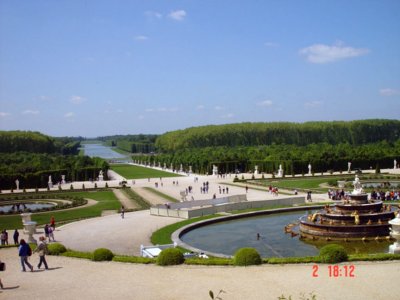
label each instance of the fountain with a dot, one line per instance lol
(395, 233)
(354, 219)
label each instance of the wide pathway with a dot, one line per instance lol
(70, 278)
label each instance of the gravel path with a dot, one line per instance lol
(124, 200)
(150, 197)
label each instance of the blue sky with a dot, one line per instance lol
(98, 67)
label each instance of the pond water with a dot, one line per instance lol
(99, 150)
(227, 237)
(22, 207)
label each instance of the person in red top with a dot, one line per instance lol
(53, 222)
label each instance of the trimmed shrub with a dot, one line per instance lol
(102, 254)
(247, 257)
(56, 249)
(333, 253)
(169, 257)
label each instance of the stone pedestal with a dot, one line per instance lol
(26, 217)
(30, 229)
(101, 178)
(395, 233)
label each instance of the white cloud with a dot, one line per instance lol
(30, 112)
(141, 117)
(4, 114)
(44, 98)
(218, 108)
(69, 115)
(141, 38)
(153, 14)
(321, 54)
(200, 107)
(389, 92)
(265, 103)
(313, 104)
(77, 99)
(177, 15)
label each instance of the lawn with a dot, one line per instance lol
(106, 201)
(136, 172)
(299, 184)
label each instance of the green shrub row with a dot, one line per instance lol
(243, 257)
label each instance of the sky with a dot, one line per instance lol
(96, 67)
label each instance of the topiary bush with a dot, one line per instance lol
(169, 257)
(56, 249)
(333, 253)
(247, 257)
(102, 254)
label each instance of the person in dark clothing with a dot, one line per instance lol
(16, 236)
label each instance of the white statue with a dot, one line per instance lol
(280, 171)
(190, 170)
(17, 184)
(349, 167)
(181, 168)
(309, 169)
(357, 186)
(101, 176)
(62, 179)
(165, 166)
(215, 170)
(255, 170)
(395, 164)
(50, 183)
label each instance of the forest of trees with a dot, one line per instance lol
(31, 157)
(326, 145)
(301, 134)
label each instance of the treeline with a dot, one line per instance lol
(31, 157)
(140, 143)
(294, 159)
(33, 169)
(36, 142)
(354, 133)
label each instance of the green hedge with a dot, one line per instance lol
(102, 254)
(333, 253)
(247, 257)
(169, 257)
(56, 249)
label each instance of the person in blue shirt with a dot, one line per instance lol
(24, 251)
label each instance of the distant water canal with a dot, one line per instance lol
(99, 150)
(227, 237)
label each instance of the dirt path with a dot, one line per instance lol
(124, 200)
(150, 197)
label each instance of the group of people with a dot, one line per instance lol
(4, 237)
(375, 195)
(25, 250)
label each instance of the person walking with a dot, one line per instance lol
(3, 237)
(51, 234)
(46, 231)
(16, 236)
(53, 223)
(24, 251)
(122, 211)
(42, 250)
(2, 269)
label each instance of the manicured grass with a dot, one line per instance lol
(137, 172)
(106, 201)
(299, 184)
(135, 197)
(163, 235)
(162, 195)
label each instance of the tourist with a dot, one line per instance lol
(24, 251)
(247, 188)
(122, 211)
(53, 222)
(42, 251)
(46, 231)
(16, 236)
(3, 237)
(2, 269)
(51, 234)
